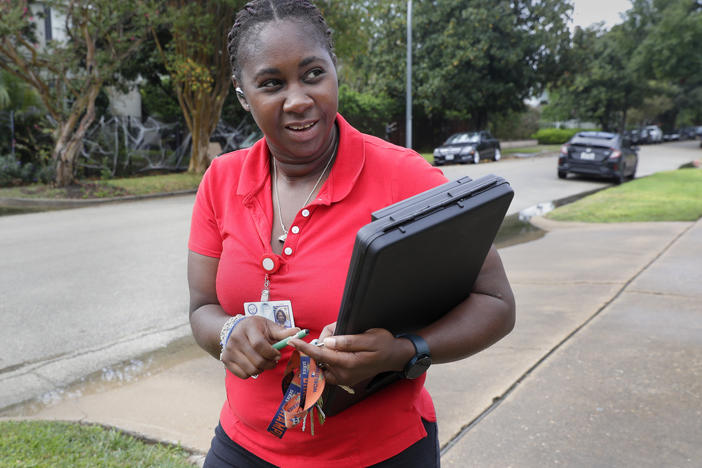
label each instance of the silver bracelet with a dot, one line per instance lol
(226, 331)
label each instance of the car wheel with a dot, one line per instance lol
(562, 174)
(498, 155)
(476, 157)
(619, 178)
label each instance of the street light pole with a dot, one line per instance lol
(408, 104)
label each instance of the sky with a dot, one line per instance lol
(587, 12)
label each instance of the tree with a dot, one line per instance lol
(194, 53)
(670, 54)
(472, 58)
(608, 85)
(69, 74)
(601, 81)
(647, 67)
(15, 94)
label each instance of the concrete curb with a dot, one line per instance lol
(28, 382)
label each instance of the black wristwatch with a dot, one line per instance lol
(421, 360)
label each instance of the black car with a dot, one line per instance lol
(599, 154)
(687, 133)
(468, 147)
(638, 136)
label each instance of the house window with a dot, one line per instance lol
(47, 24)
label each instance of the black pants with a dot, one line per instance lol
(225, 453)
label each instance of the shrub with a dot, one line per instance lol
(365, 111)
(554, 136)
(13, 172)
(515, 125)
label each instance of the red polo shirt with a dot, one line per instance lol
(232, 220)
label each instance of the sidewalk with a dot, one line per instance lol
(604, 367)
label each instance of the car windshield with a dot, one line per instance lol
(472, 137)
(594, 139)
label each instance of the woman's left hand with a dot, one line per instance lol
(349, 359)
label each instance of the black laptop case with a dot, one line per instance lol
(414, 262)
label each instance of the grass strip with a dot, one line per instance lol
(157, 183)
(665, 196)
(86, 189)
(429, 157)
(531, 149)
(63, 444)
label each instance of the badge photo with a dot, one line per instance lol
(279, 312)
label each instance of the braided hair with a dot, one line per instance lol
(258, 12)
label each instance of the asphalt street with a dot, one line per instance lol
(85, 289)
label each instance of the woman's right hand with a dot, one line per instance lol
(249, 350)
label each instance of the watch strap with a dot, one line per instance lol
(421, 360)
(421, 347)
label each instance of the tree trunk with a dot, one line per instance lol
(203, 121)
(70, 139)
(200, 144)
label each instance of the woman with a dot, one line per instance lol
(277, 222)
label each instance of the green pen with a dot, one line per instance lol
(284, 342)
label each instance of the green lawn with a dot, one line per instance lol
(428, 156)
(61, 444)
(665, 196)
(532, 149)
(108, 188)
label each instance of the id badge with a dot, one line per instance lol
(279, 312)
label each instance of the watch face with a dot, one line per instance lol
(419, 367)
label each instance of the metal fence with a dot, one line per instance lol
(118, 146)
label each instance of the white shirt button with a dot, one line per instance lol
(268, 264)
(305, 212)
(295, 229)
(288, 251)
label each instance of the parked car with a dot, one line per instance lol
(655, 134)
(638, 136)
(599, 154)
(673, 135)
(468, 147)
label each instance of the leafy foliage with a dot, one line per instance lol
(554, 136)
(69, 73)
(472, 58)
(192, 46)
(644, 70)
(367, 112)
(516, 125)
(159, 100)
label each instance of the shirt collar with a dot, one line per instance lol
(350, 158)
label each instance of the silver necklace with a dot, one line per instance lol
(277, 197)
